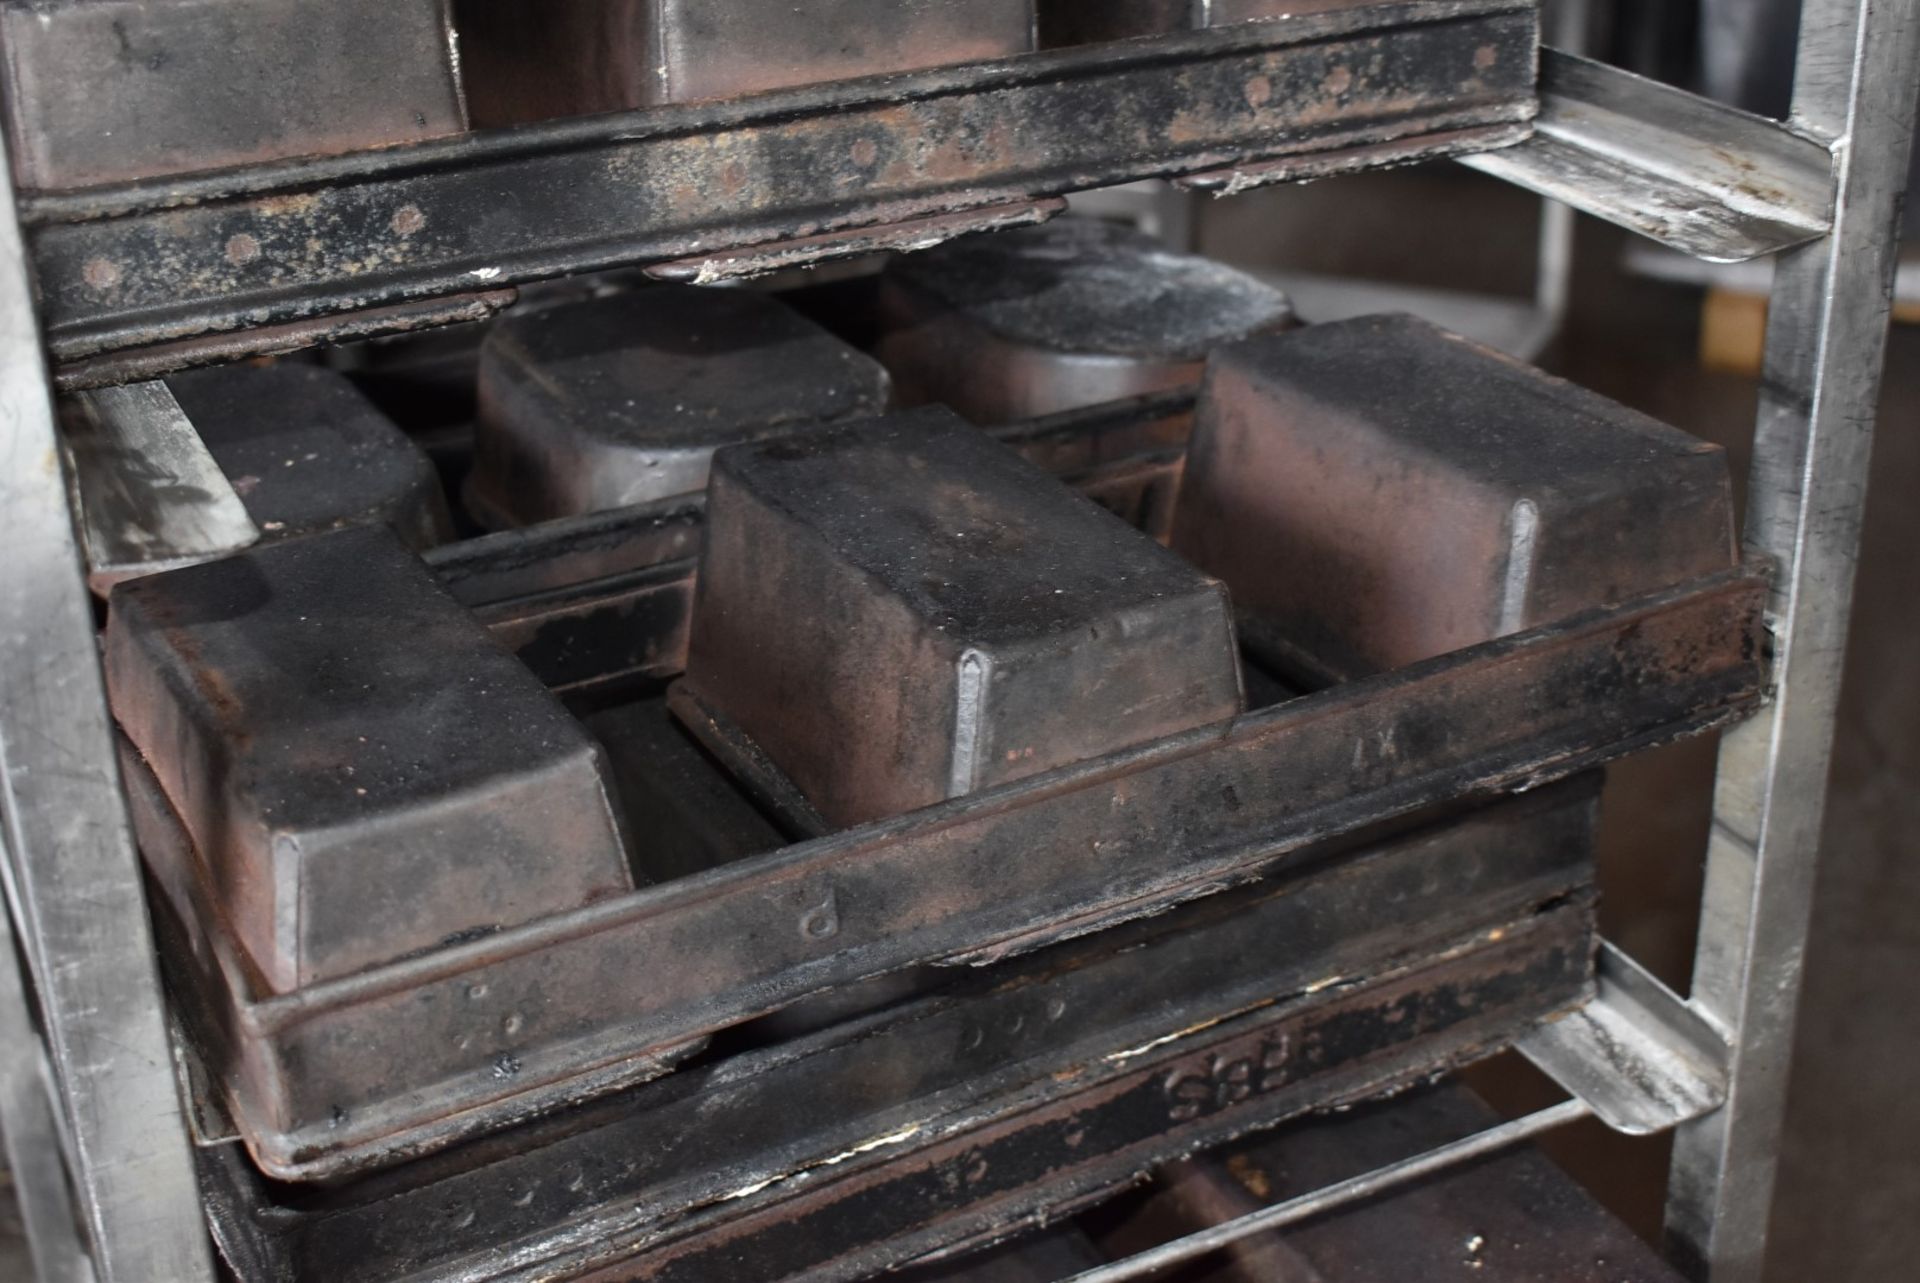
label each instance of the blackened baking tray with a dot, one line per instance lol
(413, 1056)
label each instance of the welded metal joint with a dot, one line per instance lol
(1638, 1055)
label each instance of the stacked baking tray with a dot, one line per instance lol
(789, 830)
(350, 177)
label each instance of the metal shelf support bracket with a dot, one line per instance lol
(151, 496)
(1637, 1054)
(1706, 179)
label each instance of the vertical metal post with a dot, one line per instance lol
(1566, 25)
(1826, 350)
(72, 874)
(33, 1135)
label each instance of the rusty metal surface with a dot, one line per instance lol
(1070, 314)
(722, 48)
(1127, 456)
(620, 608)
(772, 789)
(1017, 1171)
(108, 91)
(611, 629)
(1110, 1052)
(679, 808)
(508, 566)
(1119, 432)
(365, 771)
(151, 362)
(813, 251)
(1069, 22)
(586, 601)
(984, 876)
(623, 400)
(501, 568)
(1045, 1257)
(1143, 492)
(531, 60)
(306, 453)
(903, 611)
(148, 263)
(604, 599)
(1074, 22)
(1231, 180)
(1376, 492)
(1198, 1193)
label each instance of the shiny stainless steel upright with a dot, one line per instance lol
(72, 876)
(1820, 191)
(1859, 65)
(1823, 192)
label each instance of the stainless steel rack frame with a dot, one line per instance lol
(89, 1094)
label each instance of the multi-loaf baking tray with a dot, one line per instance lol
(510, 1020)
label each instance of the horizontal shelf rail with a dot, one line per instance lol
(1202, 811)
(686, 187)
